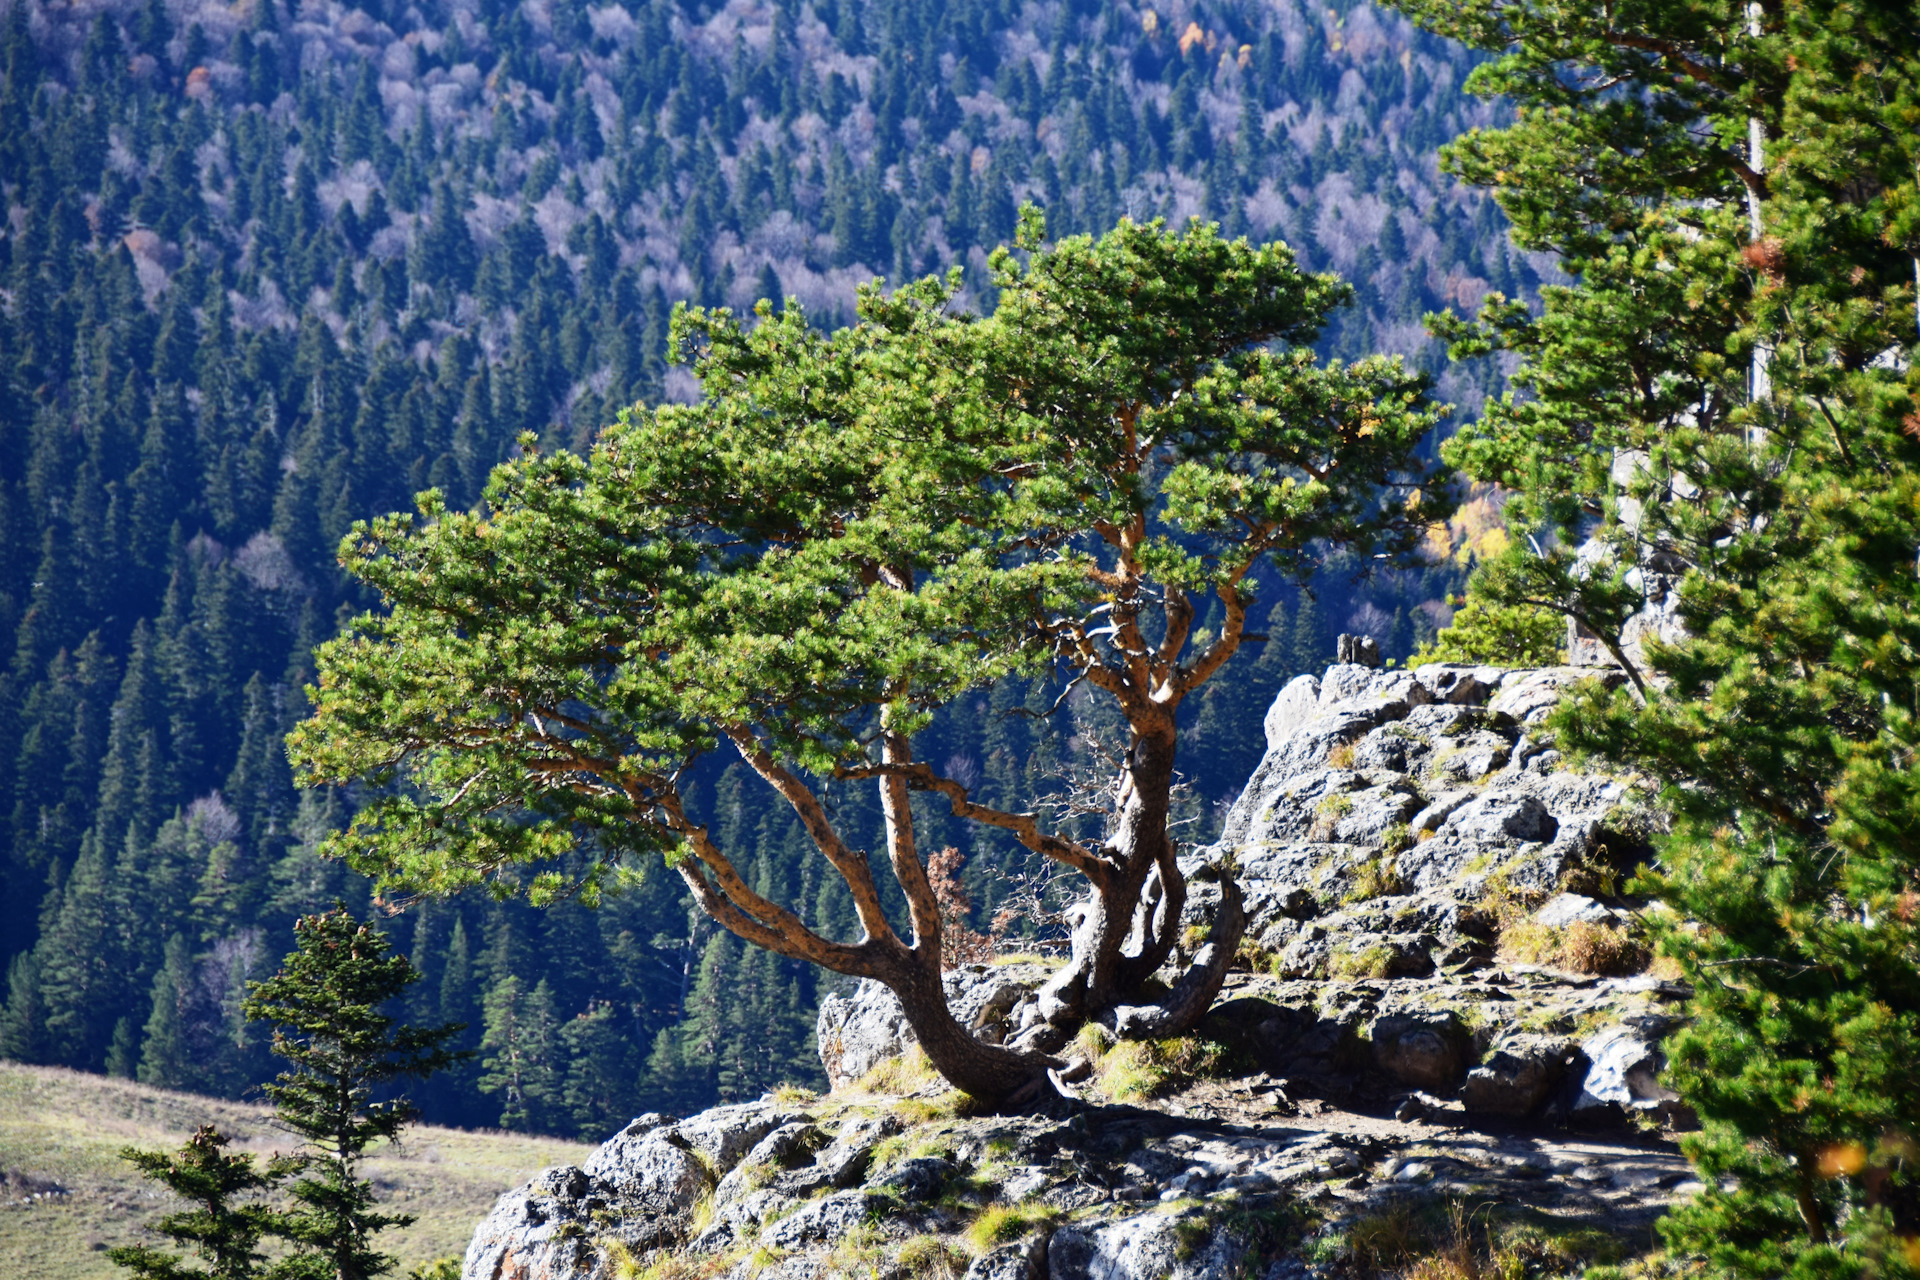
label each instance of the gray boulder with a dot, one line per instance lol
(1528, 695)
(1459, 683)
(823, 1221)
(918, 1180)
(1625, 1073)
(549, 1227)
(1022, 1260)
(771, 1162)
(1502, 818)
(1425, 1051)
(725, 1134)
(1296, 703)
(845, 1161)
(1518, 1077)
(857, 1033)
(1424, 783)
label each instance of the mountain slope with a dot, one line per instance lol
(269, 269)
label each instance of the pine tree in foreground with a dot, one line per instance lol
(1727, 396)
(1116, 452)
(325, 1006)
(227, 1221)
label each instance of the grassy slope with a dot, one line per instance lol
(68, 1127)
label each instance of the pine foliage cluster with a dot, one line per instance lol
(1720, 415)
(270, 269)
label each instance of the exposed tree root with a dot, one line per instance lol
(1183, 1007)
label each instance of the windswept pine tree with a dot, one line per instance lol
(848, 534)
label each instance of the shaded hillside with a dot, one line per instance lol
(271, 269)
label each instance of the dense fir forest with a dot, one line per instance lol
(271, 268)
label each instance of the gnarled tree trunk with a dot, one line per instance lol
(1130, 923)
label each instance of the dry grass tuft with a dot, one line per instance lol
(909, 1073)
(1327, 815)
(623, 1265)
(1459, 1244)
(1377, 878)
(1139, 1070)
(1606, 950)
(931, 1258)
(1373, 962)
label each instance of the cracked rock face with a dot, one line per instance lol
(642, 1195)
(1391, 805)
(640, 1189)
(856, 1033)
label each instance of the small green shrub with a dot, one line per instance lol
(1503, 635)
(1327, 814)
(1373, 962)
(1005, 1223)
(901, 1075)
(1376, 878)
(1138, 1070)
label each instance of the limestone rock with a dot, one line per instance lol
(548, 1228)
(1426, 1051)
(1146, 1247)
(1019, 1261)
(1294, 705)
(1518, 1077)
(918, 1180)
(1572, 908)
(845, 1161)
(1424, 786)
(725, 1134)
(858, 1032)
(787, 1148)
(1625, 1072)
(823, 1221)
(1501, 818)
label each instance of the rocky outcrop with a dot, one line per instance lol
(1395, 812)
(639, 1190)
(1198, 1189)
(1381, 1041)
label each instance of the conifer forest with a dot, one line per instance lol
(272, 268)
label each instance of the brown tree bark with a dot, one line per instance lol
(1127, 932)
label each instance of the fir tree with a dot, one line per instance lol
(79, 966)
(597, 1095)
(167, 1056)
(325, 1007)
(23, 1026)
(519, 1054)
(1724, 397)
(226, 1223)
